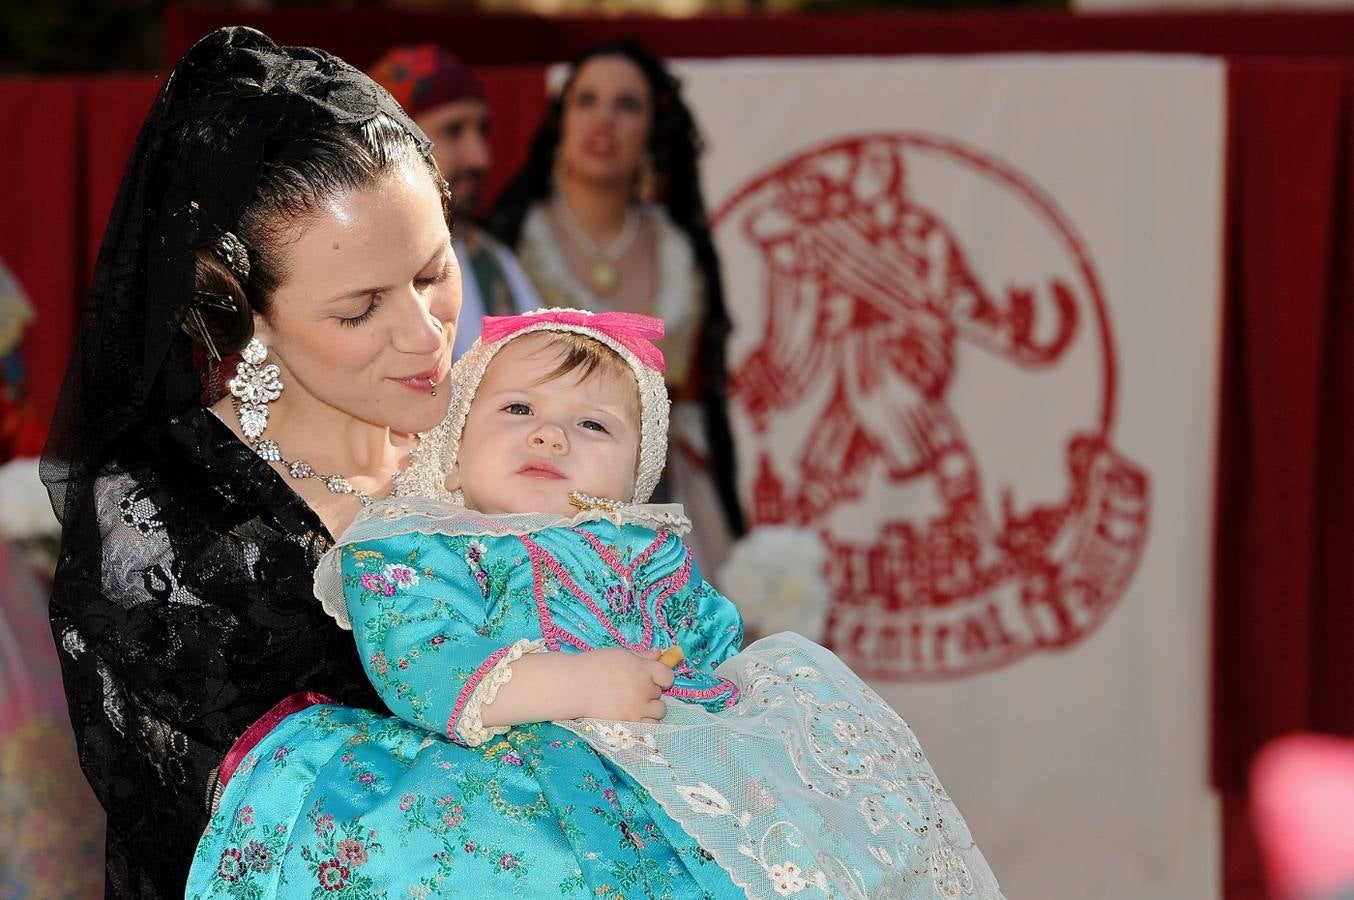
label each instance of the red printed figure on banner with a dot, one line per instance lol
(932, 384)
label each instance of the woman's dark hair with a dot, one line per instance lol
(675, 145)
(294, 181)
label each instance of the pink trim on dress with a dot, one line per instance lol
(553, 634)
(468, 691)
(260, 728)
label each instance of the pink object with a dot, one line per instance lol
(1303, 807)
(633, 331)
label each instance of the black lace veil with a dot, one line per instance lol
(194, 169)
(182, 604)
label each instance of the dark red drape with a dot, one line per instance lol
(1284, 619)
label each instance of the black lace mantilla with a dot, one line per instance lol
(192, 619)
(182, 605)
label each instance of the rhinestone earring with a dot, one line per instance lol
(254, 387)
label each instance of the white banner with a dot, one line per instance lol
(977, 307)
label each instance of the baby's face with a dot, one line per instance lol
(528, 443)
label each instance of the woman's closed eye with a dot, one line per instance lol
(354, 321)
(440, 276)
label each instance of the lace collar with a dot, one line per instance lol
(416, 515)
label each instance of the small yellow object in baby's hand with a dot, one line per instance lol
(671, 656)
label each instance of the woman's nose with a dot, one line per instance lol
(551, 436)
(422, 326)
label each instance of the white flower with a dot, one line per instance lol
(26, 511)
(774, 575)
(785, 879)
(401, 574)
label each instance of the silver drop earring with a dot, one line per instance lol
(254, 387)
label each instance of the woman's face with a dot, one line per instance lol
(364, 318)
(605, 126)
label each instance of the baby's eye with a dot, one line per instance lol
(517, 409)
(593, 425)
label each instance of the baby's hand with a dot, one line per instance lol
(625, 685)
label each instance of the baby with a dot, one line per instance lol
(511, 611)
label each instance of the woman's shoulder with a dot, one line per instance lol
(193, 474)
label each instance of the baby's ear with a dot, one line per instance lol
(453, 480)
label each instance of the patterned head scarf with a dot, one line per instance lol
(423, 76)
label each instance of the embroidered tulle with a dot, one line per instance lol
(809, 782)
(471, 729)
(413, 515)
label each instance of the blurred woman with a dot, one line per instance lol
(607, 214)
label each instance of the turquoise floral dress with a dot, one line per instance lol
(775, 772)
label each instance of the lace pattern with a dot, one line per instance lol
(414, 515)
(808, 742)
(470, 729)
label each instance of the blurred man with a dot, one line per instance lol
(447, 101)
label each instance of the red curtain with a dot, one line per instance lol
(1284, 622)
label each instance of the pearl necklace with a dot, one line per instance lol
(603, 274)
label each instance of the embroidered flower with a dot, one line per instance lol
(280, 754)
(419, 891)
(846, 732)
(324, 824)
(629, 834)
(507, 862)
(379, 663)
(351, 852)
(407, 801)
(512, 759)
(258, 857)
(786, 879)
(230, 867)
(618, 597)
(474, 553)
(401, 574)
(377, 584)
(367, 778)
(245, 815)
(452, 817)
(469, 846)
(610, 794)
(876, 817)
(333, 875)
(438, 640)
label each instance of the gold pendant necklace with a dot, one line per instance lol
(604, 276)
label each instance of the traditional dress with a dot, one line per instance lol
(775, 772)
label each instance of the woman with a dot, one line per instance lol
(607, 214)
(280, 203)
